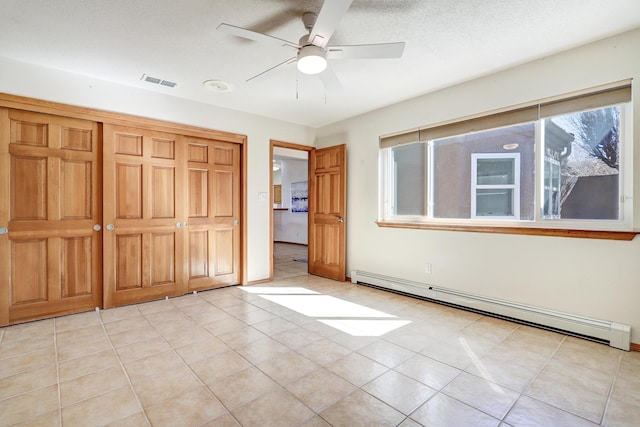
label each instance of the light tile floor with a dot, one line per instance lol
(284, 264)
(306, 351)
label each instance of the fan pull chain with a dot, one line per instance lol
(325, 93)
(297, 83)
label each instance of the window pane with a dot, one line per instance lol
(495, 172)
(494, 202)
(452, 168)
(586, 146)
(410, 187)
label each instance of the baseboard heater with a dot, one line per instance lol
(614, 334)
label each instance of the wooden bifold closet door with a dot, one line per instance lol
(50, 188)
(171, 214)
(143, 215)
(103, 215)
(213, 232)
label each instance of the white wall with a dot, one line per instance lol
(23, 79)
(595, 278)
(290, 226)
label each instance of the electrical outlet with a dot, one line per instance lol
(262, 196)
(427, 268)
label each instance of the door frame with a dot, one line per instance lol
(281, 144)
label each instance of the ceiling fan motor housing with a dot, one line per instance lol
(312, 59)
(309, 20)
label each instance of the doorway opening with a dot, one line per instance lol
(289, 191)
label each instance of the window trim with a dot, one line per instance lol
(525, 231)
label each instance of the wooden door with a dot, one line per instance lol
(327, 212)
(143, 215)
(51, 257)
(213, 233)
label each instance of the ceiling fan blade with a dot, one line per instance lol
(253, 35)
(330, 80)
(263, 75)
(366, 51)
(328, 19)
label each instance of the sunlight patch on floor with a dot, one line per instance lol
(324, 306)
(365, 327)
(354, 319)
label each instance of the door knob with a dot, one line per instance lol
(110, 227)
(3, 230)
(97, 227)
(340, 219)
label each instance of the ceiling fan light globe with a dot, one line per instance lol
(312, 60)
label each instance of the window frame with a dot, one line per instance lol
(620, 229)
(515, 187)
(548, 187)
(387, 194)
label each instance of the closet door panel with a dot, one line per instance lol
(128, 261)
(198, 254)
(75, 182)
(28, 188)
(163, 250)
(51, 254)
(143, 215)
(31, 281)
(213, 253)
(163, 192)
(225, 252)
(128, 191)
(76, 254)
(198, 193)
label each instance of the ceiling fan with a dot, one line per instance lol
(312, 50)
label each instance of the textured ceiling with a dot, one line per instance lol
(447, 42)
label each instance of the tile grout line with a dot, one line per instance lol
(126, 374)
(610, 393)
(172, 349)
(281, 386)
(520, 394)
(388, 369)
(544, 365)
(538, 374)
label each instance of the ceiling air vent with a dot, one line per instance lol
(157, 81)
